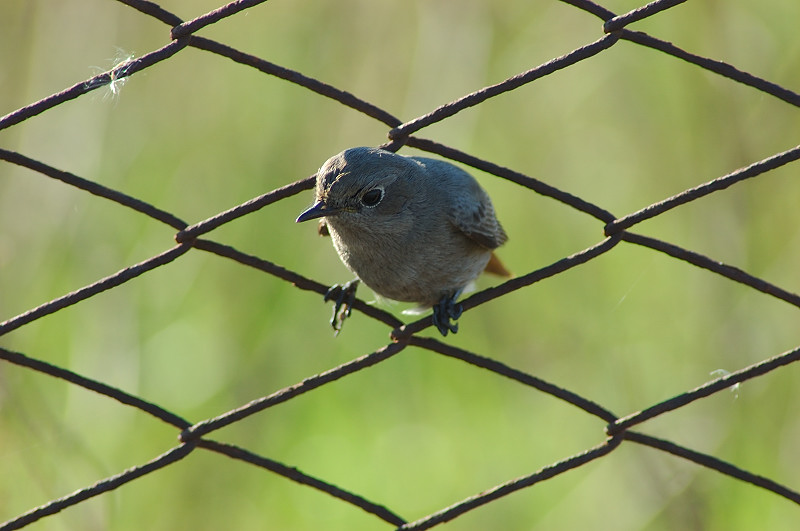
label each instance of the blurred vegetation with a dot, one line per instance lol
(198, 134)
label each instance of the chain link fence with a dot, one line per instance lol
(613, 231)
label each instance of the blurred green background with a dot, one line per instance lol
(198, 134)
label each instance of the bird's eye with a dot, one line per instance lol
(373, 197)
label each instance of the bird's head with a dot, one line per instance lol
(364, 188)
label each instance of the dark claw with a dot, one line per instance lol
(343, 297)
(445, 310)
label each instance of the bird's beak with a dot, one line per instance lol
(318, 210)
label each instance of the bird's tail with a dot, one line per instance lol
(496, 267)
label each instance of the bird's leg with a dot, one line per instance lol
(447, 308)
(343, 296)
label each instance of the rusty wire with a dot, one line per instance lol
(195, 435)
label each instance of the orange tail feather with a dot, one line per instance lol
(496, 267)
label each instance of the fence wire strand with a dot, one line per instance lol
(194, 435)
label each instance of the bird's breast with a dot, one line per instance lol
(417, 267)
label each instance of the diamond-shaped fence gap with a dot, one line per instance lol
(629, 326)
(380, 427)
(668, 333)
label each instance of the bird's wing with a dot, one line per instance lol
(467, 205)
(473, 214)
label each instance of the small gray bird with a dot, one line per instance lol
(413, 229)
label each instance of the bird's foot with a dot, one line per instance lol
(343, 297)
(446, 309)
